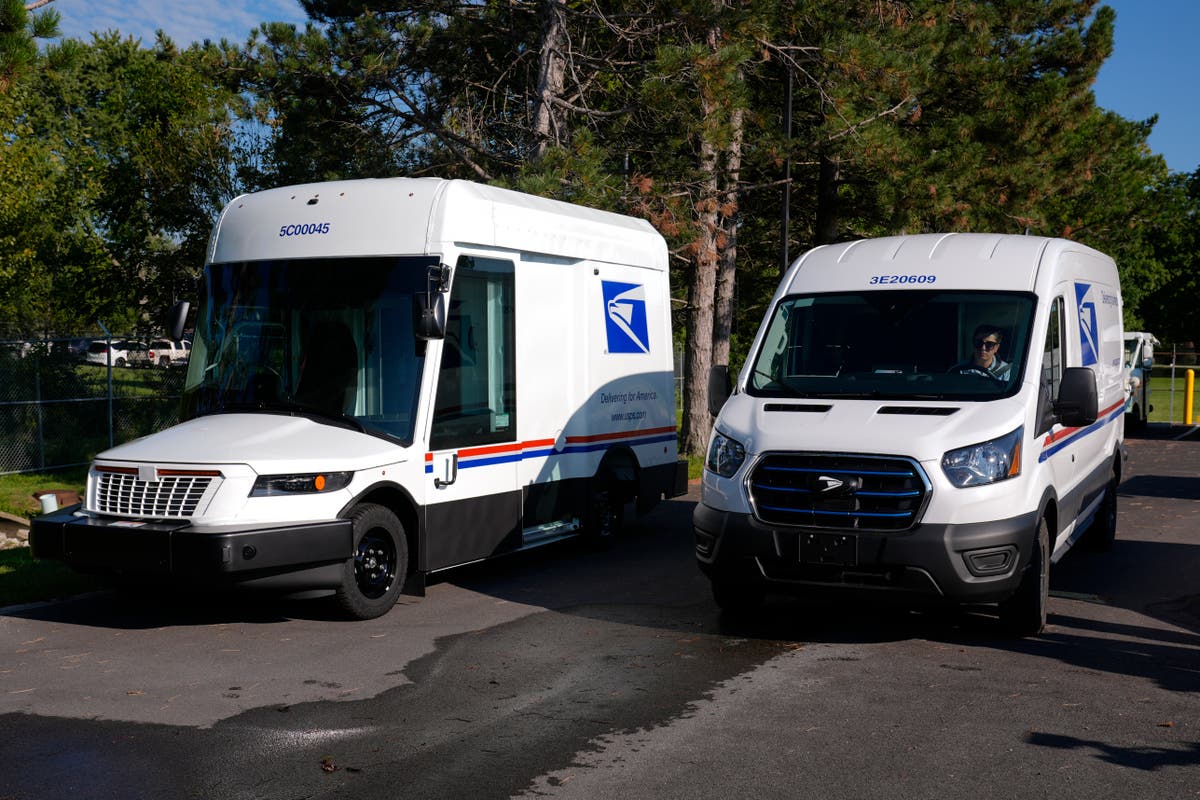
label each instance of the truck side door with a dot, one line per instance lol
(474, 507)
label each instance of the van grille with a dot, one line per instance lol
(123, 494)
(838, 491)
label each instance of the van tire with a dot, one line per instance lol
(1101, 534)
(1024, 614)
(737, 598)
(373, 577)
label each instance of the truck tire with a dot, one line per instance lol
(1101, 534)
(372, 579)
(606, 513)
(1024, 614)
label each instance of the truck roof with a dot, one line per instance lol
(955, 260)
(419, 216)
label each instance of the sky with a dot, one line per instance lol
(1154, 68)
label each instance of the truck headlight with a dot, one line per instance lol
(986, 462)
(304, 483)
(725, 455)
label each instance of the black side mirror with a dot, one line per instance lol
(177, 319)
(1077, 404)
(719, 388)
(429, 317)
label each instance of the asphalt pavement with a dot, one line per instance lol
(572, 673)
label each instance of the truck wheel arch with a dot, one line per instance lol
(394, 497)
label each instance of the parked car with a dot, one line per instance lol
(98, 352)
(137, 354)
(165, 353)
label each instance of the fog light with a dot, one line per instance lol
(991, 560)
(249, 552)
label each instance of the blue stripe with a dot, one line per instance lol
(1075, 437)
(765, 488)
(840, 513)
(838, 471)
(509, 458)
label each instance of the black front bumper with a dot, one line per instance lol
(174, 550)
(974, 563)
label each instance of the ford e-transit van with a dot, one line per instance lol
(920, 417)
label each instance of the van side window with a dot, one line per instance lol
(1053, 356)
(476, 392)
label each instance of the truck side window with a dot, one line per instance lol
(476, 392)
(1053, 356)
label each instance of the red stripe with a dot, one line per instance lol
(536, 443)
(1058, 436)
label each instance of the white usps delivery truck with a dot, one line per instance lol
(920, 417)
(389, 378)
(1139, 364)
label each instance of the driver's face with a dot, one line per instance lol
(985, 349)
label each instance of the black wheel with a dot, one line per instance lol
(120, 362)
(164, 362)
(1024, 614)
(371, 581)
(606, 513)
(736, 597)
(1101, 534)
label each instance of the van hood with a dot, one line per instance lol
(267, 443)
(923, 430)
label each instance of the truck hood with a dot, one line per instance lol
(267, 443)
(923, 430)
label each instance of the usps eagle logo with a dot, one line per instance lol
(1088, 329)
(625, 317)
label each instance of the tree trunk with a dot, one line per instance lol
(727, 241)
(827, 200)
(547, 125)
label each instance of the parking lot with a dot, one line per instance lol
(572, 673)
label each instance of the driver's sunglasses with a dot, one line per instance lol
(984, 344)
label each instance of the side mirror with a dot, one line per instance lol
(430, 317)
(719, 388)
(177, 319)
(1077, 404)
(1147, 363)
(429, 308)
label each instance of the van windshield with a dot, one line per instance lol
(327, 338)
(919, 344)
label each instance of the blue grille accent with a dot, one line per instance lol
(838, 492)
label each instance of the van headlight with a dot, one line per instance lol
(725, 455)
(986, 462)
(306, 483)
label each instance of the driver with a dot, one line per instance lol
(984, 360)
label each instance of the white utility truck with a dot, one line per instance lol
(1139, 363)
(389, 378)
(920, 417)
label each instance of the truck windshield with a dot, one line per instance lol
(915, 344)
(327, 338)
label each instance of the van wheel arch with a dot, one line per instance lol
(614, 484)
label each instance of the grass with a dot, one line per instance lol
(1169, 405)
(16, 491)
(24, 579)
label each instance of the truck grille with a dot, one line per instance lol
(122, 493)
(842, 492)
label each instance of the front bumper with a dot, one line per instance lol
(172, 549)
(972, 563)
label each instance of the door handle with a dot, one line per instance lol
(438, 483)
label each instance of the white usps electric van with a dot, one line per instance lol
(920, 417)
(389, 378)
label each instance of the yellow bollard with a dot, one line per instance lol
(1188, 394)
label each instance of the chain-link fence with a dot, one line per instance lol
(1168, 386)
(64, 400)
